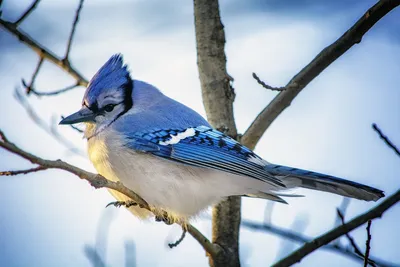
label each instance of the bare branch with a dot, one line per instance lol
(177, 242)
(314, 68)
(43, 52)
(326, 238)
(42, 124)
(99, 181)
(300, 238)
(352, 242)
(386, 139)
(96, 180)
(71, 36)
(51, 93)
(27, 13)
(12, 173)
(29, 86)
(266, 86)
(368, 244)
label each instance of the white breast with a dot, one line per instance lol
(181, 190)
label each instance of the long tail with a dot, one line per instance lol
(293, 177)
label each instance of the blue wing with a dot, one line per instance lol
(203, 147)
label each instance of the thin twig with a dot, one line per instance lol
(43, 125)
(29, 86)
(96, 180)
(177, 242)
(352, 242)
(368, 244)
(71, 36)
(326, 57)
(266, 86)
(44, 52)
(27, 13)
(12, 173)
(326, 238)
(386, 139)
(51, 93)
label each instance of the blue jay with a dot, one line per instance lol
(172, 157)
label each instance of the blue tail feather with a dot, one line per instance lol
(293, 177)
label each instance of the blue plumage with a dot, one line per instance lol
(206, 147)
(172, 157)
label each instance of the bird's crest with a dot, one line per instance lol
(113, 75)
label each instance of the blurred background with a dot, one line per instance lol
(52, 218)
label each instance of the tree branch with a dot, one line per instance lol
(27, 13)
(368, 244)
(18, 172)
(326, 238)
(99, 181)
(314, 68)
(43, 52)
(385, 139)
(96, 180)
(29, 86)
(218, 97)
(71, 36)
(300, 238)
(352, 242)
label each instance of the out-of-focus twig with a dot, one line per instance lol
(93, 256)
(368, 244)
(71, 36)
(314, 68)
(43, 125)
(27, 13)
(386, 139)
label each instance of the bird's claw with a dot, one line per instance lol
(164, 218)
(118, 204)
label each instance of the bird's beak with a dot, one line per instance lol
(83, 115)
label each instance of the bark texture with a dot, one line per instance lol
(218, 97)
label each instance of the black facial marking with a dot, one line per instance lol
(94, 107)
(128, 102)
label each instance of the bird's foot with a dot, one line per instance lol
(118, 204)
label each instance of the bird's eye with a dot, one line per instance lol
(109, 107)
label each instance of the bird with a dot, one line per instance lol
(173, 158)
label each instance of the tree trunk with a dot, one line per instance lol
(218, 97)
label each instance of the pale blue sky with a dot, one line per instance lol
(47, 218)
